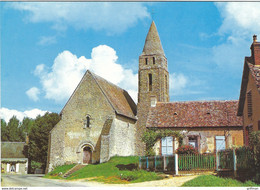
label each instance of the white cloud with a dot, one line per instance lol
(33, 93)
(241, 20)
(239, 17)
(61, 79)
(7, 114)
(84, 15)
(47, 40)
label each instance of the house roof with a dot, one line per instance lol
(13, 150)
(119, 99)
(254, 70)
(194, 114)
(152, 42)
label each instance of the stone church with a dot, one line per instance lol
(100, 120)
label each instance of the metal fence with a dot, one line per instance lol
(157, 163)
(226, 160)
(189, 162)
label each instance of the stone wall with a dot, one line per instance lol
(122, 137)
(70, 135)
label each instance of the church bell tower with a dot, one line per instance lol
(153, 78)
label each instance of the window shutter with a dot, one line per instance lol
(249, 104)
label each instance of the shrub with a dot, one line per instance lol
(187, 149)
(151, 136)
(254, 140)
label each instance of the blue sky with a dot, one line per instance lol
(47, 47)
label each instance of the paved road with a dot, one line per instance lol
(35, 180)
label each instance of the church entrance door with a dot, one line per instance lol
(87, 155)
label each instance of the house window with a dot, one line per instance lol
(150, 80)
(220, 143)
(146, 60)
(87, 122)
(193, 141)
(153, 60)
(258, 125)
(167, 146)
(249, 104)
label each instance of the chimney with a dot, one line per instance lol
(153, 101)
(255, 51)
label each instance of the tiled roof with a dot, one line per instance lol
(194, 114)
(120, 100)
(13, 150)
(255, 72)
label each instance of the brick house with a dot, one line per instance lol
(206, 125)
(249, 100)
(14, 157)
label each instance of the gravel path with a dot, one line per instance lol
(169, 182)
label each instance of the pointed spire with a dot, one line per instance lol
(152, 42)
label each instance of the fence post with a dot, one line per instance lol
(154, 163)
(140, 162)
(147, 163)
(217, 161)
(176, 164)
(164, 163)
(235, 162)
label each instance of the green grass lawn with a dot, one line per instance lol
(55, 174)
(110, 172)
(214, 181)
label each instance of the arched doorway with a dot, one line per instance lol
(87, 155)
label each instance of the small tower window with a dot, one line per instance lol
(146, 60)
(153, 60)
(166, 84)
(150, 78)
(87, 122)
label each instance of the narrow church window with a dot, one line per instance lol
(153, 60)
(166, 83)
(87, 122)
(249, 104)
(146, 60)
(150, 81)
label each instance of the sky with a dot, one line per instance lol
(46, 47)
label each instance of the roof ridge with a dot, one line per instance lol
(197, 101)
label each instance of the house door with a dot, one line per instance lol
(12, 168)
(87, 155)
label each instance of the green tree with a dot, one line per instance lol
(14, 132)
(26, 126)
(4, 132)
(39, 135)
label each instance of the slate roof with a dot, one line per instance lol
(194, 114)
(254, 70)
(13, 150)
(119, 98)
